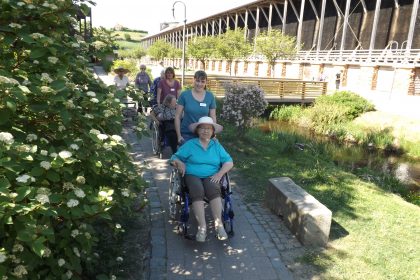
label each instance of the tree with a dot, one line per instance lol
(232, 45)
(174, 53)
(274, 44)
(159, 50)
(63, 165)
(202, 48)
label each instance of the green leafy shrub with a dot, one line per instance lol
(129, 64)
(63, 165)
(355, 105)
(286, 113)
(127, 37)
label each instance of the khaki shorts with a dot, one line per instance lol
(200, 188)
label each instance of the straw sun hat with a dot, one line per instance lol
(119, 69)
(206, 120)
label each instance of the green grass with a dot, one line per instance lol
(135, 36)
(375, 233)
(127, 44)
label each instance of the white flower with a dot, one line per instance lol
(119, 259)
(74, 147)
(125, 193)
(74, 233)
(31, 137)
(88, 236)
(116, 138)
(69, 274)
(45, 164)
(45, 89)
(61, 262)
(75, 45)
(107, 113)
(103, 194)
(80, 180)
(79, 193)
(68, 186)
(102, 136)
(94, 131)
(47, 253)
(113, 277)
(61, 128)
(42, 198)
(94, 100)
(19, 271)
(65, 154)
(15, 25)
(76, 251)
(44, 152)
(36, 61)
(17, 248)
(46, 4)
(72, 203)
(37, 35)
(117, 100)
(91, 94)
(45, 77)
(69, 104)
(24, 178)
(89, 116)
(117, 226)
(7, 138)
(2, 257)
(52, 59)
(20, 4)
(30, 6)
(53, 155)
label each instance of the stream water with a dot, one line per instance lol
(406, 170)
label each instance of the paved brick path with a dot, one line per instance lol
(260, 248)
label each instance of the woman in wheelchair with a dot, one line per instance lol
(164, 115)
(203, 161)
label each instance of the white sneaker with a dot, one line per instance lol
(201, 235)
(221, 233)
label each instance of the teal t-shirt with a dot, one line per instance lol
(199, 162)
(193, 109)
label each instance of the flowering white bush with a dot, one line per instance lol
(242, 103)
(58, 151)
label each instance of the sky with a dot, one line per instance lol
(148, 14)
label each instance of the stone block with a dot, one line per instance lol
(305, 216)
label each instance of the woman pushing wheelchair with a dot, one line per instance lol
(203, 161)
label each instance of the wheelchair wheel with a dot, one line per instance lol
(227, 216)
(174, 195)
(156, 139)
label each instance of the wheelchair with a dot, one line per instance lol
(129, 111)
(179, 204)
(159, 142)
(156, 145)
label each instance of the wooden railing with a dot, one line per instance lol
(276, 90)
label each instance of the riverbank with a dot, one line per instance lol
(373, 235)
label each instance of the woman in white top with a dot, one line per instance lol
(121, 80)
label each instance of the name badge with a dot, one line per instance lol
(203, 104)
(172, 89)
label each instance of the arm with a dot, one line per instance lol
(178, 164)
(153, 116)
(178, 115)
(223, 170)
(159, 93)
(212, 114)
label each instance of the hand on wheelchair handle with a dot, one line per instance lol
(180, 166)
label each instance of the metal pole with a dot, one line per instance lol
(412, 25)
(183, 38)
(346, 23)
(375, 26)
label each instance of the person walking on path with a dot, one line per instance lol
(154, 87)
(338, 78)
(121, 81)
(168, 86)
(192, 105)
(143, 81)
(203, 161)
(156, 70)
